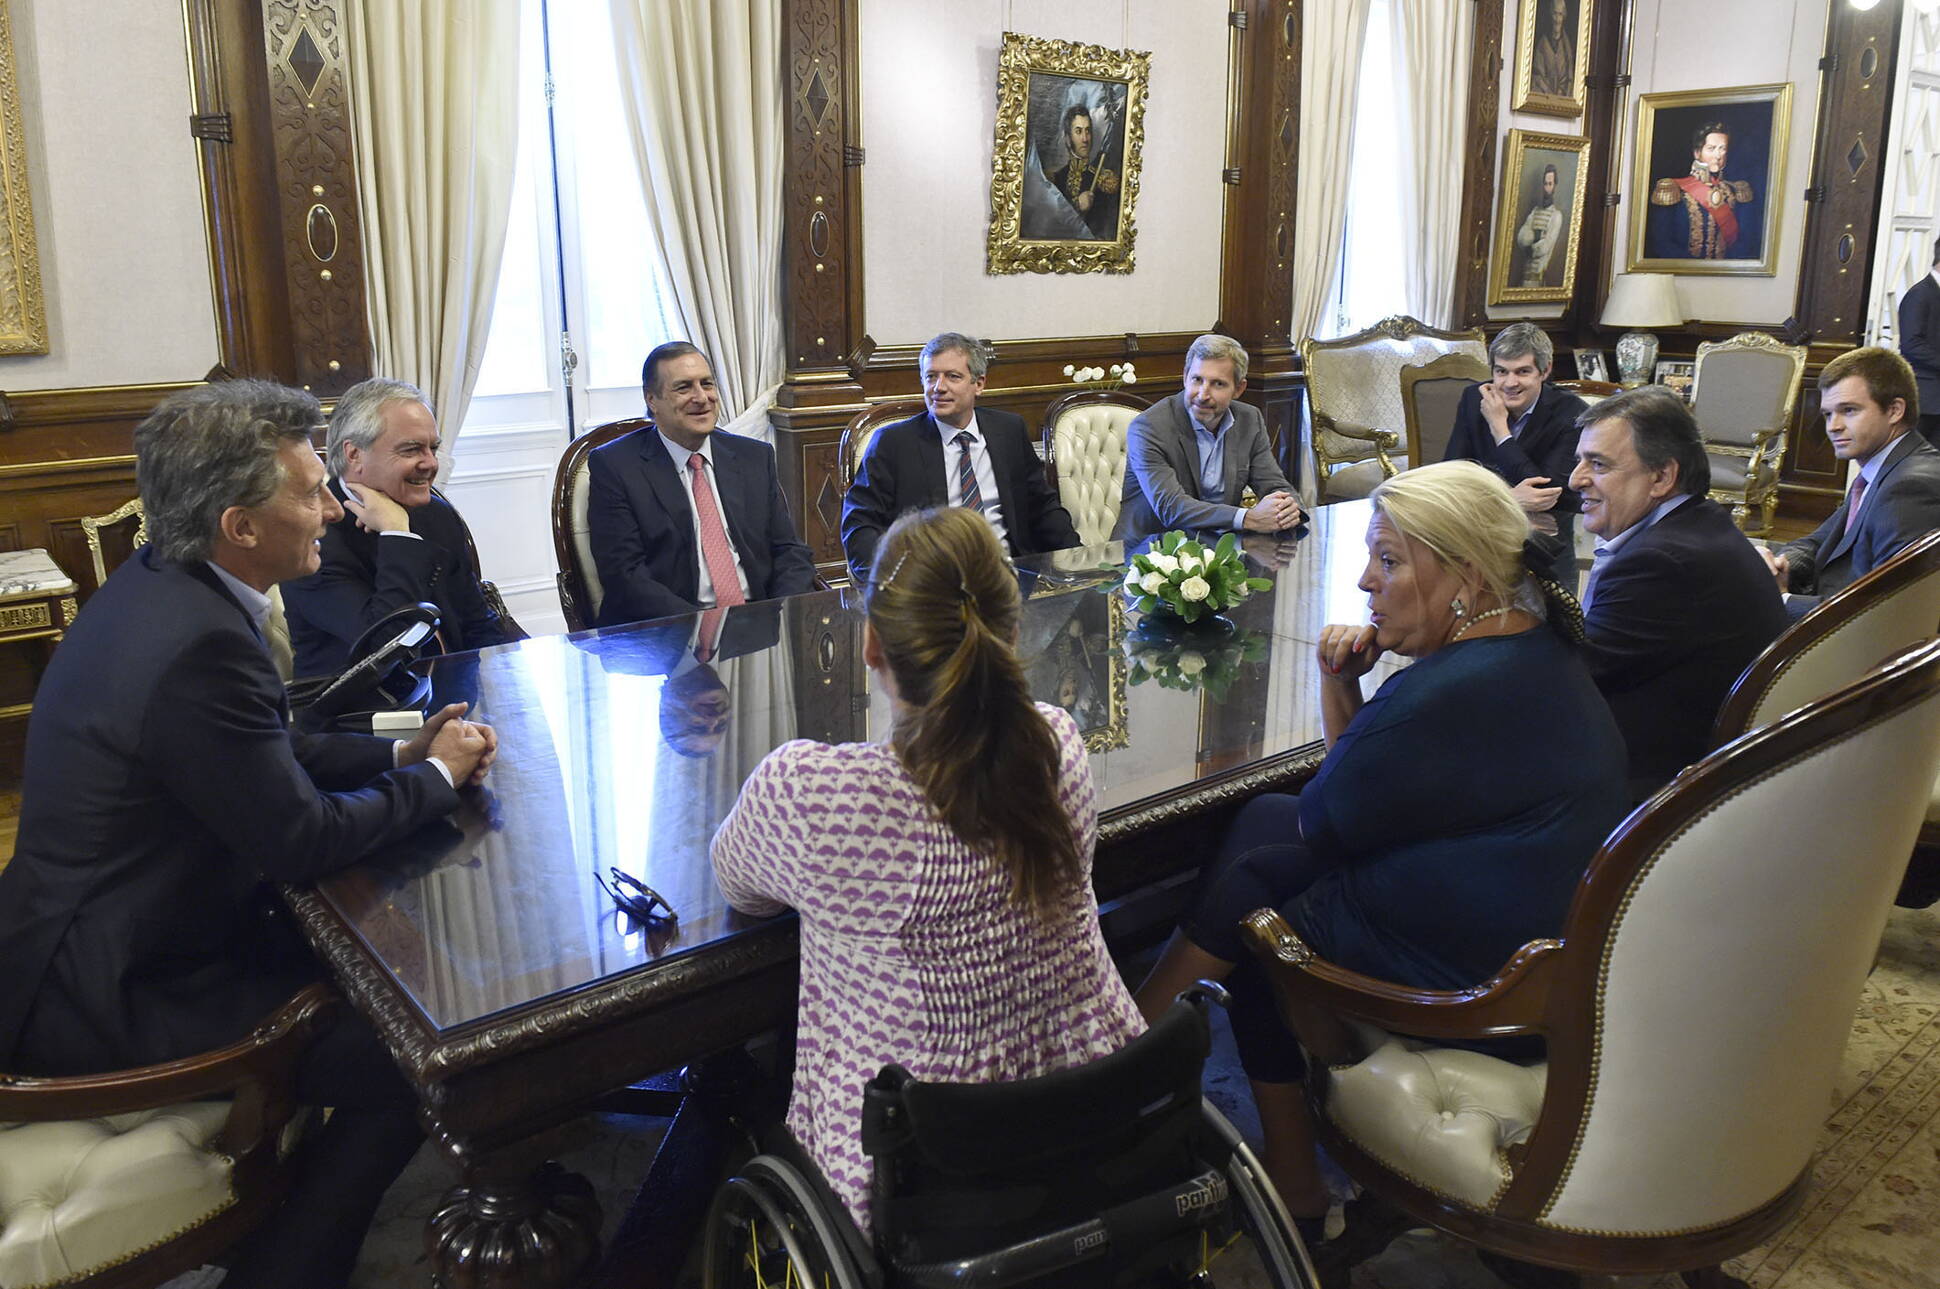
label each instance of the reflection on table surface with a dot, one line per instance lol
(620, 749)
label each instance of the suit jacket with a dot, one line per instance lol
(365, 576)
(903, 471)
(1901, 505)
(642, 526)
(1679, 612)
(1546, 448)
(164, 789)
(1162, 487)
(1920, 338)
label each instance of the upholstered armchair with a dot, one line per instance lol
(114, 1181)
(1354, 396)
(1744, 392)
(580, 592)
(1693, 1013)
(1430, 393)
(1084, 445)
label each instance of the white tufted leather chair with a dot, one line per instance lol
(1694, 1012)
(131, 1178)
(580, 592)
(1742, 398)
(1084, 442)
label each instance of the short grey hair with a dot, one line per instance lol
(1519, 338)
(359, 417)
(971, 347)
(1216, 346)
(1662, 430)
(206, 449)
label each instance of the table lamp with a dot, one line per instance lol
(1640, 300)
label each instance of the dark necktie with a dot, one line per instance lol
(968, 493)
(1852, 505)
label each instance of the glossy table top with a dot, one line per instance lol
(619, 750)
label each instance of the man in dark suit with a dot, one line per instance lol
(1678, 601)
(1190, 458)
(397, 543)
(1920, 344)
(164, 792)
(954, 455)
(1870, 401)
(682, 516)
(1524, 429)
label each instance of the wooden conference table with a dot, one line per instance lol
(514, 995)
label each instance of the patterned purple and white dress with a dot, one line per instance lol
(912, 948)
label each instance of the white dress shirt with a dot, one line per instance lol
(704, 585)
(993, 509)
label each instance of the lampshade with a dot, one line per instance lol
(1643, 300)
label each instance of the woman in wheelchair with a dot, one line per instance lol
(1456, 808)
(943, 879)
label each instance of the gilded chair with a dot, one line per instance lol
(1354, 397)
(860, 432)
(1084, 445)
(1744, 392)
(128, 1179)
(579, 579)
(1693, 1013)
(1430, 393)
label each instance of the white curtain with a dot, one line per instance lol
(702, 84)
(1433, 40)
(434, 93)
(1330, 71)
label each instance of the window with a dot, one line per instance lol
(1371, 286)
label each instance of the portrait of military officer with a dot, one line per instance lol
(1539, 232)
(1553, 70)
(1084, 180)
(1703, 214)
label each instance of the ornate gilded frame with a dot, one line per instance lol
(23, 309)
(1509, 211)
(1021, 58)
(1116, 731)
(1772, 198)
(1526, 98)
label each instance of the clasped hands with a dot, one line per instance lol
(1275, 512)
(467, 748)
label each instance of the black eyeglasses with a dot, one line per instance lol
(635, 898)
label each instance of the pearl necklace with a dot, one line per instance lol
(1480, 617)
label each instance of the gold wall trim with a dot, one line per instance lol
(75, 466)
(23, 310)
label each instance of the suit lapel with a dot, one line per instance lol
(1189, 440)
(929, 450)
(1899, 453)
(1001, 465)
(734, 487)
(664, 479)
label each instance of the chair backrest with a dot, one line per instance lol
(860, 432)
(1712, 960)
(1893, 606)
(1590, 391)
(1430, 393)
(1744, 392)
(105, 559)
(1356, 381)
(580, 592)
(1084, 443)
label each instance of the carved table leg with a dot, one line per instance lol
(512, 1225)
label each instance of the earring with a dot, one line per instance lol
(1457, 605)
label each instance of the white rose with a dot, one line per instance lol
(1163, 563)
(1191, 664)
(1195, 588)
(1153, 583)
(1190, 564)
(1133, 578)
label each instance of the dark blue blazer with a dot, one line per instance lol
(1681, 609)
(164, 790)
(365, 576)
(1901, 506)
(642, 527)
(1920, 339)
(903, 471)
(1546, 448)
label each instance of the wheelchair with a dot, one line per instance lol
(1115, 1173)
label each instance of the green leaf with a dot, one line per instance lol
(1259, 584)
(1228, 546)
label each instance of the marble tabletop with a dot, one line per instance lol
(24, 574)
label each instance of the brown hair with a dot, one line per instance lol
(1886, 374)
(943, 602)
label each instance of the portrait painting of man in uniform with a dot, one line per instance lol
(1539, 217)
(1065, 180)
(1552, 46)
(1710, 172)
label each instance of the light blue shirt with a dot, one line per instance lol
(1212, 462)
(254, 602)
(1605, 549)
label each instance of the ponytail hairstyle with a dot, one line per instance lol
(943, 602)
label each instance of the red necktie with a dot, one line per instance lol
(714, 539)
(710, 634)
(1852, 506)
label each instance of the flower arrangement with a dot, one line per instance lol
(1121, 374)
(1212, 667)
(1180, 576)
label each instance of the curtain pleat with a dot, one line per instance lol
(1330, 71)
(1432, 48)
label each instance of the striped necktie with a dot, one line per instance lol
(969, 495)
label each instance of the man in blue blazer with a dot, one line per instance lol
(1678, 601)
(1190, 458)
(1920, 344)
(954, 455)
(1523, 428)
(1870, 402)
(683, 516)
(165, 791)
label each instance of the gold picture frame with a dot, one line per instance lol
(1535, 252)
(23, 309)
(1664, 237)
(1551, 57)
(1072, 648)
(1052, 210)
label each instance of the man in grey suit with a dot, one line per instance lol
(1871, 404)
(1190, 458)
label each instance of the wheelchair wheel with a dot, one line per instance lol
(1261, 1237)
(767, 1229)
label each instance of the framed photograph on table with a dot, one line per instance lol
(1710, 167)
(1592, 365)
(1539, 218)
(1552, 43)
(1680, 376)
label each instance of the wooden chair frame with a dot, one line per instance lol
(860, 432)
(1382, 441)
(1442, 368)
(91, 526)
(575, 601)
(1768, 444)
(1550, 987)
